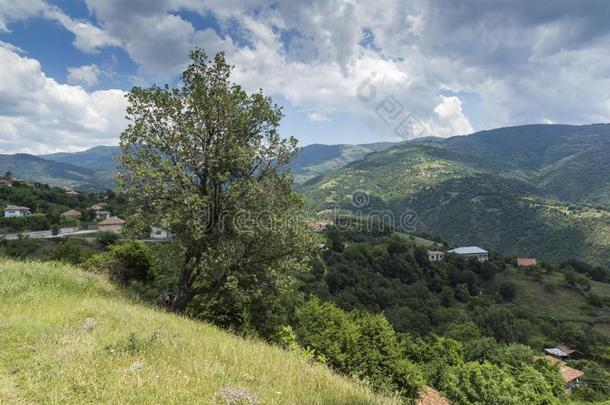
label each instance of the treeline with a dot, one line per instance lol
(387, 273)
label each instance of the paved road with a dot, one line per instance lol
(48, 234)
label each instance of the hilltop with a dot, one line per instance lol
(71, 337)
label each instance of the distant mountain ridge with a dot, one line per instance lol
(94, 168)
(540, 190)
(96, 158)
(41, 170)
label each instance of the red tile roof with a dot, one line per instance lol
(112, 221)
(566, 349)
(570, 374)
(16, 208)
(72, 213)
(430, 396)
(526, 262)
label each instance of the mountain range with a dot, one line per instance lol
(94, 168)
(535, 190)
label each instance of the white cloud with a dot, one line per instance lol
(318, 116)
(39, 115)
(88, 37)
(85, 76)
(525, 64)
(450, 112)
(13, 10)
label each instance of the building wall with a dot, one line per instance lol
(13, 213)
(110, 228)
(157, 233)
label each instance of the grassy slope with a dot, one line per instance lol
(314, 160)
(135, 354)
(560, 303)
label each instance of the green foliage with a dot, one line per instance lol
(125, 262)
(205, 161)
(21, 248)
(595, 383)
(329, 331)
(70, 251)
(358, 344)
(576, 280)
(107, 238)
(507, 290)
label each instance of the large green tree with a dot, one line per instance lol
(205, 160)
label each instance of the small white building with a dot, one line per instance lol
(14, 211)
(112, 224)
(472, 251)
(435, 255)
(159, 233)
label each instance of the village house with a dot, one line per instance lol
(472, 251)
(15, 211)
(112, 224)
(101, 214)
(563, 352)
(523, 262)
(72, 214)
(70, 191)
(430, 396)
(98, 206)
(435, 255)
(159, 233)
(571, 376)
(6, 182)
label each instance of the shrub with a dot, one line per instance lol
(107, 238)
(69, 251)
(364, 345)
(129, 261)
(508, 290)
(328, 330)
(595, 300)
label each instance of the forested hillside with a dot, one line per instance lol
(34, 168)
(533, 190)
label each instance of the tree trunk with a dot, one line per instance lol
(183, 297)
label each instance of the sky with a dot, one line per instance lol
(344, 71)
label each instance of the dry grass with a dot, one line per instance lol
(70, 337)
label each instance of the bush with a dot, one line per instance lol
(508, 290)
(126, 262)
(595, 300)
(107, 238)
(70, 251)
(364, 345)
(328, 330)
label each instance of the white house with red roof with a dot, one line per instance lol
(15, 211)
